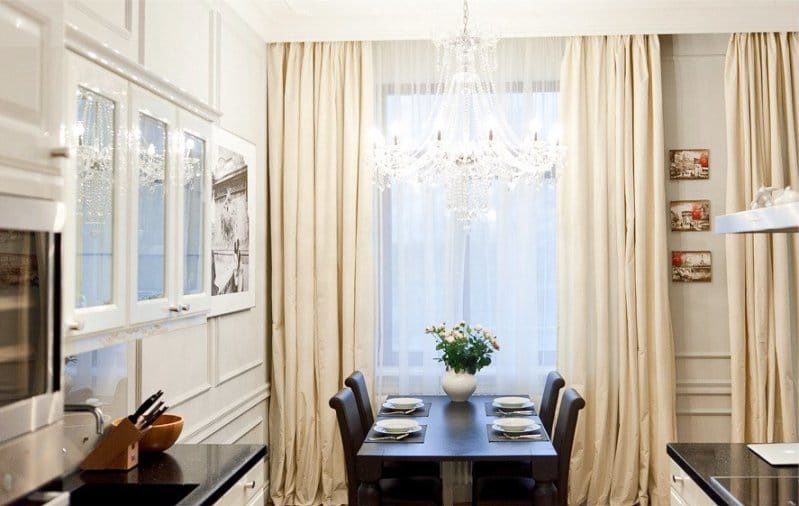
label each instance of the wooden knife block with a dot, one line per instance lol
(117, 451)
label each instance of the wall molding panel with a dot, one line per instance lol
(221, 418)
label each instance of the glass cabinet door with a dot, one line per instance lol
(193, 213)
(193, 265)
(95, 204)
(94, 267)
(152, 172)
(152, 206)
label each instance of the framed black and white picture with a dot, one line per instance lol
(233, 245)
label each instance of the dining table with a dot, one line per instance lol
(457, 432)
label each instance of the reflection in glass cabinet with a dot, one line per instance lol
(193, 213)
(95, 134)
(152, 207)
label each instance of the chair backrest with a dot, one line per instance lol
(357, 382)
(570, 406)
(349, 426)
(549, 401)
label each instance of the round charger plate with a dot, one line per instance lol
(515, 425)
(404, 403)
(397, 426)
(512, 402)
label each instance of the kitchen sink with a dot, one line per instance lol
(124, 494)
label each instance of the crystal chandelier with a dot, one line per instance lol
(468, 147)
(95, 157)
(152, 167)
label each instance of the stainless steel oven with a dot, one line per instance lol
(31, 402)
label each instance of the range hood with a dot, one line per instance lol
(779, 218)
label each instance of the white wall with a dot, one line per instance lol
(216, 373)
(693, 109)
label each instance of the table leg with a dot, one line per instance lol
(368, 494)
(544, 493)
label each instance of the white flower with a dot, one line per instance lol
(488, 334)
(448, 338)
(478, 327)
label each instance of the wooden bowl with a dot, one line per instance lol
(162, 434)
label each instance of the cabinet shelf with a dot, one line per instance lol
(781, 218)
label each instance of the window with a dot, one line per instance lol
(500, 274)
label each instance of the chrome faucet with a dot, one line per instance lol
(87, 408)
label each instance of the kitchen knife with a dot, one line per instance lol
(134, 418)
(153, 417)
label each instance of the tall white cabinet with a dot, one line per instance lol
(32, 143)
(147, 83)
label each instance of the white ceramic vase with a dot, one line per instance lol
(459, 386)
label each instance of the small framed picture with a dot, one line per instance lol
(689, 164)
(691, 266)
(690, 215)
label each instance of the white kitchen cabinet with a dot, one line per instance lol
(193, 223)
(247, 490)
(32, 143)
(95, 241)
(111, 22)
(684, 491)
(169, 195)
(151, 210)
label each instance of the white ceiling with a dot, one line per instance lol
(289, 20)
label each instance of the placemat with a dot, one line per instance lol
(499, 437)
(417, 437)
(492, 410)
(421, 412)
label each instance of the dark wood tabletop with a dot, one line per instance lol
(456, 431)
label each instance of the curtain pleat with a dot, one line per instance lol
(321, 203)
(762, 105)
(614, 328)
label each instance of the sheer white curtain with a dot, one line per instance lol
(502, 273)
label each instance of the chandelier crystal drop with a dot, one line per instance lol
(469, 147)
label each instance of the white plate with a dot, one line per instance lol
(404, 402)
(512, 402)
(515, 425)
(391, 407)
(397, 425)
(411, 431)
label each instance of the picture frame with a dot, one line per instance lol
(691, 266)
(234, 252)
(689, 215)
(688, 164)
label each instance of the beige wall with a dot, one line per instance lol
(693, 111)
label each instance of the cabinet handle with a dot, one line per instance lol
(677, 479)
(185, 307)
(249, 484)
(75, 325)
(60, 152)
(174, 309)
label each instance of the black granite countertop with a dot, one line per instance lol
(184, 475)
(704, 461)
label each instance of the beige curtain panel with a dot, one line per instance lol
(321, 202)
(762, 101)
(614, 326)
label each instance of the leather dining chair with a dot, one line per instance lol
(508, 491)
(357, 382)
(546, 411)
(416, 491)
